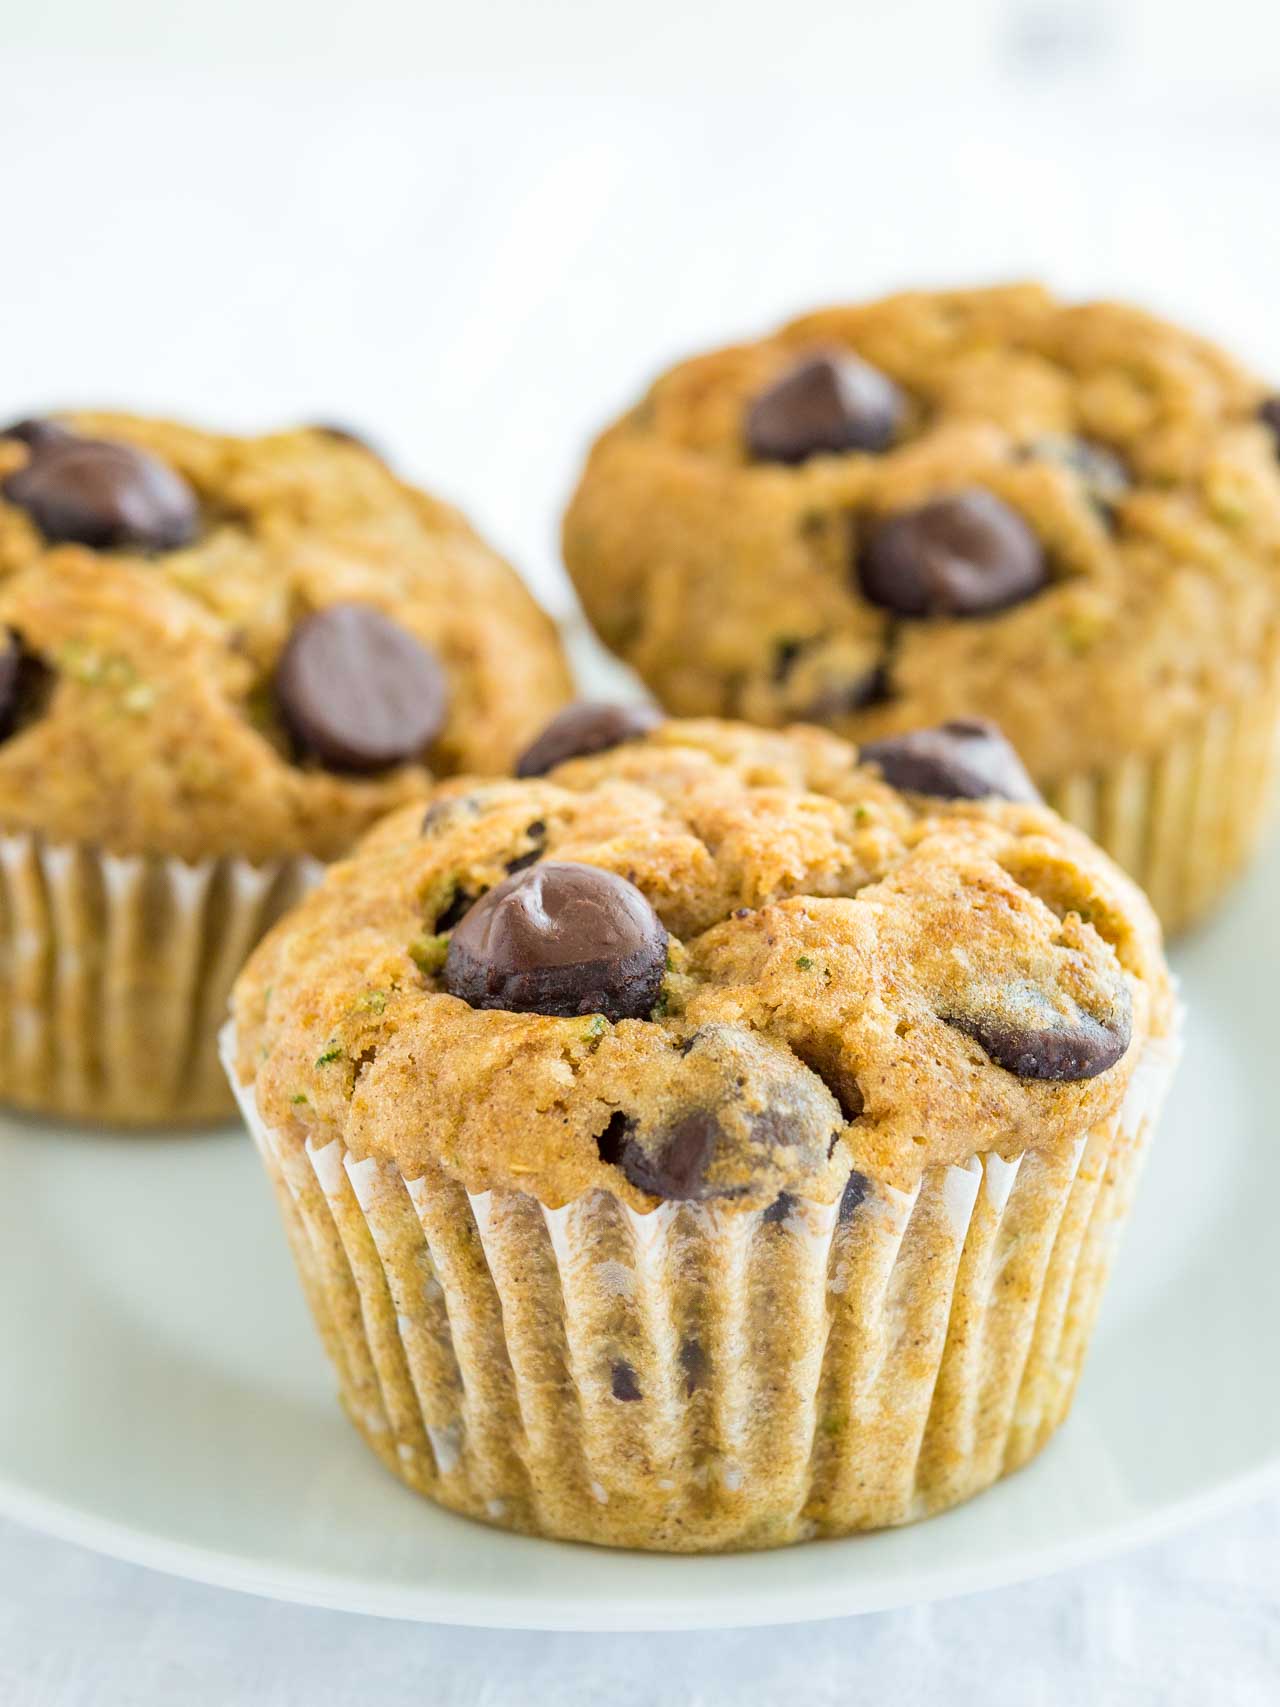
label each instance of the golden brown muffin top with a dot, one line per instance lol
(1129, 513)
(153, 598)
(795, 970)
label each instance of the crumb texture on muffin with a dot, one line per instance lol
(857, 981)
(743, 536)
(154, 595)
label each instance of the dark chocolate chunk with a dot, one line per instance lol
(828, 402)
(1269, 415)
(1031, 1036)
(960, 556)
(592, 726)
(623, 1383)
(358, 691)
(563, 939)
(106, 495)
(965, 759)
(37, 433)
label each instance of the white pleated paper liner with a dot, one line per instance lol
(695, 1378)
(1187, 821)
(115, 974)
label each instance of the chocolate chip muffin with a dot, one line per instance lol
(221, 660)
(969, 503)
(714, 1137)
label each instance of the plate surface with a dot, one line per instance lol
(164, 1398)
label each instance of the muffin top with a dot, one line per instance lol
(709, 963)
(252, 647)
(1066, 518)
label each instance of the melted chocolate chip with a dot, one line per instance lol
(1100, 471)
(537, 834)
(580, 730)
(841, 699)
(779, 1209)
(460, 904)
(358, 692)
(37, 433)
(1031, 1037)
(11, 658)
(22, 680)
(106, 495)
(1269, 415)
(563, 939)
(966, 759)
(961, 556)
(623, 1383)
(824, 403)
(695, 1364)
(856, 1188)
(676, 1168)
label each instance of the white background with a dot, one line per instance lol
(474, 230)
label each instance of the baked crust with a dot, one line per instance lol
(830, 940)
(728, 583)
(159, 734)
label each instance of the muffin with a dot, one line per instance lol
(968, 503)
(221, 660)
(714, 1140)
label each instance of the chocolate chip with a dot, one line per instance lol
(779, 1209)
(676, 1167)
(592, 726)
(560, 939)
(359, 692)
(1030, 1035)
(960, 556)
(537, 834)
(36, 433)
(623, 1383)
(1100, 471)
(1269, 415)
(965, 759)
(841, 699)
(612, 1140)
(106, 495)
(695, 1364)
(824, 403)
(460, 904)
(856, 1188)
(22, 679)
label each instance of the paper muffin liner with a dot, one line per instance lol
(115, 974)
(1185, 823)
(697, 1379)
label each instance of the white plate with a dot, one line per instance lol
(164, 1398)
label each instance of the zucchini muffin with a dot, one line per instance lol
(969, 503)
(715, 1139)
(221, 659)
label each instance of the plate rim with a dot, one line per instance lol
(851, 1596)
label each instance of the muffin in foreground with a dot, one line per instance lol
(222, 659)
(1062, 517)
(712, 1141)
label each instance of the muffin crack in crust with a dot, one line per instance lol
(857, 981)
